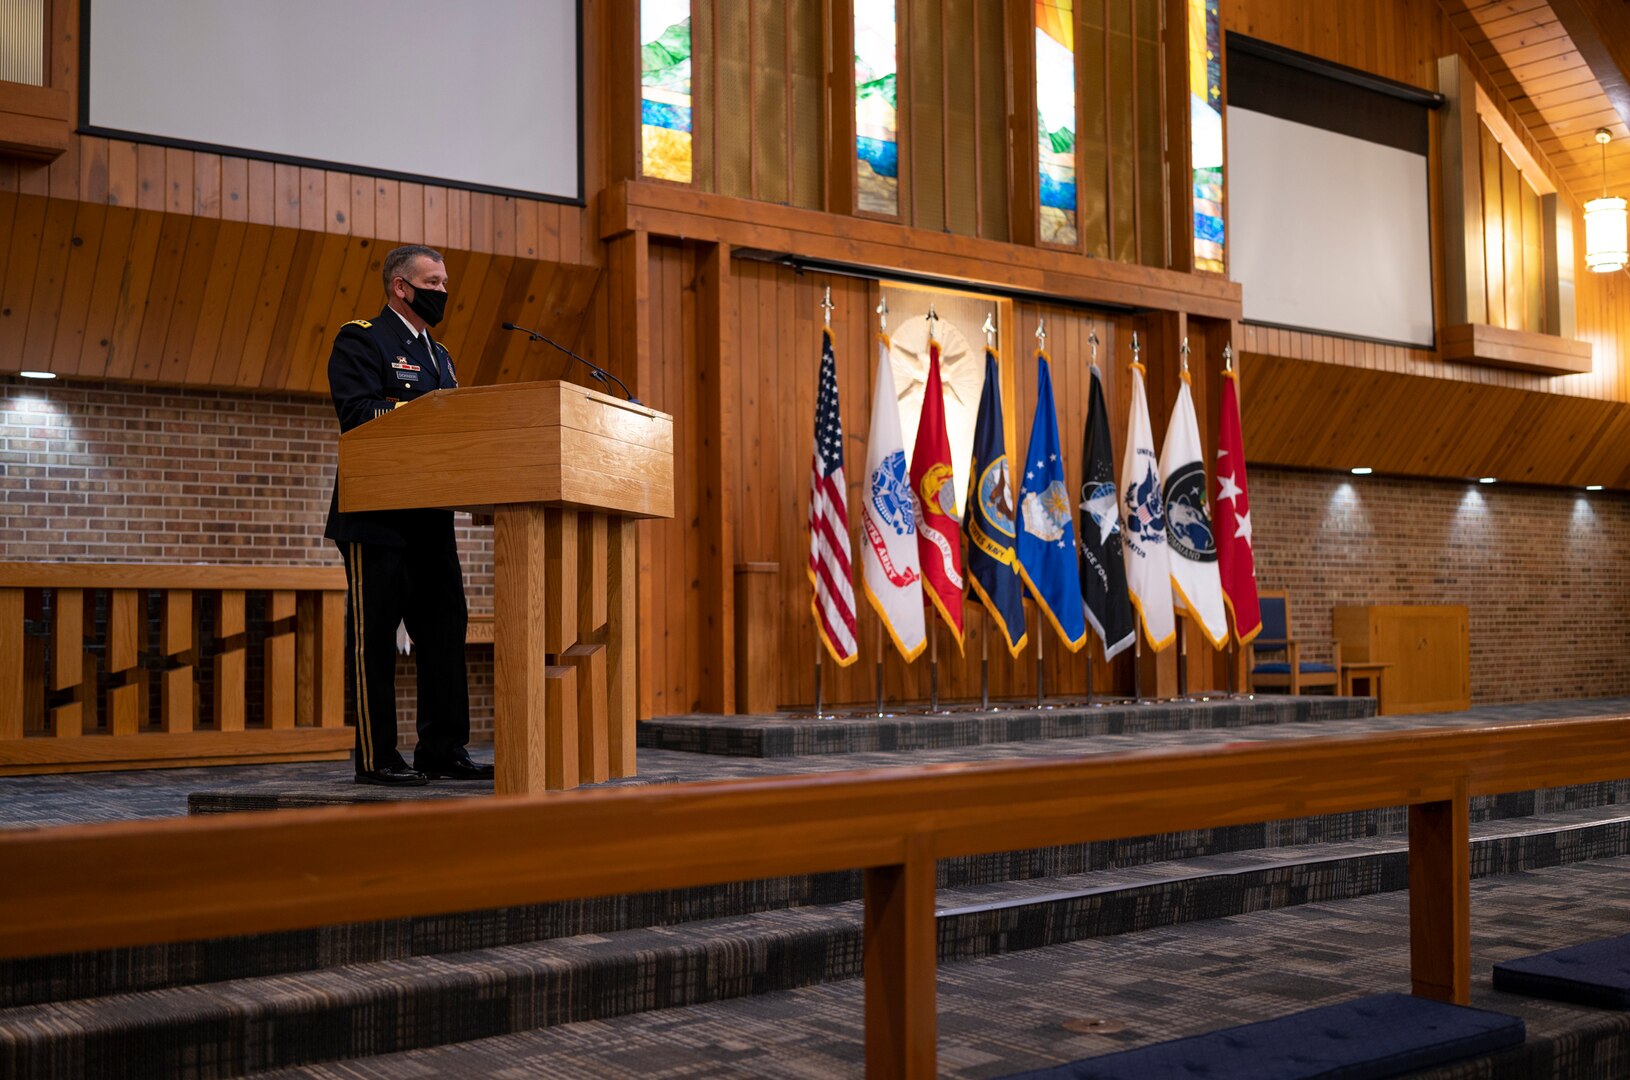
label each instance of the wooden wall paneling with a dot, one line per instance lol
(39, 318)
(337, 202)
(149, 177)
(527, 213)
(68, 342)
(484, 342)
(1023, 221)
(467, 274)
(840, 186)
(176, 350)
(159, 304)
(177, 645)
(549, 215)
(1466, 298)
(363, 202)
(312, 199)
(102, 301)
(124, 182)
(131, 306)
(206, 185)
(17, 296)
(524, 297)
(261, 188)
(718, 431)
(458, 219)
(234, 189)
(435, 215)
(356, 281)
(248, 292)
(388, 211)
(1152, 212)
(264, 351)
(1511, 187)
(304, 354)
(410, 203)
(202, 350)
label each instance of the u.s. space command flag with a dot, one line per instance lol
(987, 522)
(1148, 570)
(1103, 566)
(1196, 587)
(939, 540)
(888, 514)
(1046, 544)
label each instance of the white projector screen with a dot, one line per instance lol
(481, 94)
(1329, 209)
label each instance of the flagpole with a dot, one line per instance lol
(880, 675)
(1041, 641)
(984, 667)
(1182, 659)
(933, 664)
(1137, 668)
(1089, 674)
(817, 676)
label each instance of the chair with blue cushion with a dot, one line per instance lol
(1277, 662)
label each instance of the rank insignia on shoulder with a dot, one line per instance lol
(364, 323)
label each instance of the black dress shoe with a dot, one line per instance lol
(393, 776)
(459, 768)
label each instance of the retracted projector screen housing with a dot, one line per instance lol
(480, 94)
(1330, 226)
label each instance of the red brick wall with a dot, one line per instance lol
(1543, 572)
(126, 474)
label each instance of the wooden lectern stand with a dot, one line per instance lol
(565, 472)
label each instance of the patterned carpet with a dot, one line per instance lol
(1009, 1013)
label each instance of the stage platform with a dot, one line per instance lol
(1149, 935)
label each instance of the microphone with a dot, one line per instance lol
(596, 372)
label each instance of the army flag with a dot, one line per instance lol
(1046, 541)
(1235, 560)
(939, 538)
(1103, 566)
(987, 521)
(888, 520)
(829, 565)
(1148, 570)
(1196, 587)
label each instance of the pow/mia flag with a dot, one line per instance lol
(1103, 566)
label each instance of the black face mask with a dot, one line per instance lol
(429, 304)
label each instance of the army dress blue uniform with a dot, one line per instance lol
(400, 565)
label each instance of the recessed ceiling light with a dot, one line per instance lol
(38, 374)
(1485, 479)
(1363, 470)
(1593, 487)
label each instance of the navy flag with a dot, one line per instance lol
(987, 519)
(1103, 566)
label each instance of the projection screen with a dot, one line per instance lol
(1329, 224)
(483, 94)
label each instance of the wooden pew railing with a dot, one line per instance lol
(135, 883)
(78, 697)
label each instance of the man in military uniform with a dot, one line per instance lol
(401, 566)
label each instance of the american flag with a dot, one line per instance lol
(834, 601)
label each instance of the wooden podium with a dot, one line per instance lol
(565, 473)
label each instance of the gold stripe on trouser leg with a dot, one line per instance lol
(364, 720)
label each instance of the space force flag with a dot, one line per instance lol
(888, 523)
(1235, 560)
(939, 538)
(1148, 569)
(1196, 587)
(987, 521)
(1046, 541)
(1103, 566)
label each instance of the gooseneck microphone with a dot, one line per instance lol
(596, 372)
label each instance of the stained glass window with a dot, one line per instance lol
(877, 143)
(1205, 107)
(1055, 118)
(665, 114)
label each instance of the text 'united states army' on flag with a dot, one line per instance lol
(829, 565)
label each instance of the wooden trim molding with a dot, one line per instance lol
(889, 248)
(1479, 343)
(35, 121)
(51, 575)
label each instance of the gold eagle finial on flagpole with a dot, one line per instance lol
(883, 314)
(826, 307)
(1041, 333)
(1092, 342)
(990, 330)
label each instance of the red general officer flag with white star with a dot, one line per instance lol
(1232, 515)
(939, 527)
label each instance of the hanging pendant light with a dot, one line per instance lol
(1605, 247)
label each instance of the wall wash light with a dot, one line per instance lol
(1605, 248)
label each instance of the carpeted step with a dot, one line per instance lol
(58, 978)
(224, 1028)
(789, 735)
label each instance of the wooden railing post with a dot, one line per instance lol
(1440, 898)
(127, 690)
(179, 645)
(279, 671)
(230, 661)
(900, 962)
(13, 664)
(68, 664)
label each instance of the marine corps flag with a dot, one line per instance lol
(1148, 568)
(888, 524)
(987, 521)
(1046, 542)
(939, 540)
(1196, 588)
(1103, 566)
(1235, 558)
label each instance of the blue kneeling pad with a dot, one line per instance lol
(1595, 973)
(1366, 1039)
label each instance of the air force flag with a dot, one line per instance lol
(888, 525)
(987, 520)
(1046, 544)
(1148, 566)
